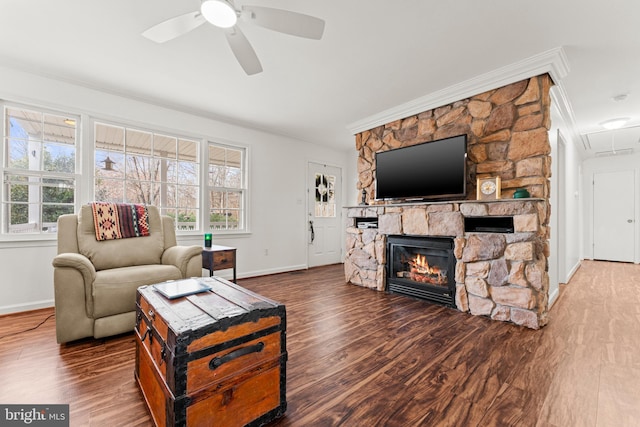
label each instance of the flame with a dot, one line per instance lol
(421, 271)
(421, 265)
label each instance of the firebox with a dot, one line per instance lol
(422, 267)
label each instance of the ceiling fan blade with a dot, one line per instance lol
(243, 51)
(285, 21)
(174, 27)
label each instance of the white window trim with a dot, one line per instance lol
(221, 142)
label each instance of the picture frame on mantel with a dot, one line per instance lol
(488, 188)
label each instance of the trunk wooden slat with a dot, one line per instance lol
(216, 358)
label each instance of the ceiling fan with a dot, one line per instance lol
(223, 14)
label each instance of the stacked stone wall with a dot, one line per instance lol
(507, 136)
(503, 276)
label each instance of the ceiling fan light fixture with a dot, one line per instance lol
(615, 123)
(219, 13)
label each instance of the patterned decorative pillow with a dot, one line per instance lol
(119, 220)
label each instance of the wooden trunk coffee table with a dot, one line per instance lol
(215, 358)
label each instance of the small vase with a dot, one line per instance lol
(521, 193)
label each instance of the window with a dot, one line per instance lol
(325, 206)
(138, 166)
(227, 188)
(38, 169)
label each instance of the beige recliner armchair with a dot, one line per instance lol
(95, 281)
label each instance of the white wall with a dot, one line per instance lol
(574, 214)
(566, 222)
(608, 164)
(354, 195)
(277, 174)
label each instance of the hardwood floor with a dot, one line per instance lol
(362, 358)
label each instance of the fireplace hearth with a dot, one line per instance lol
(422, 267)
(494, 270)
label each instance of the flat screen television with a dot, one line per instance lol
(429, 170)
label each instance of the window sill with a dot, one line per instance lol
(9, 241)
(219, 234)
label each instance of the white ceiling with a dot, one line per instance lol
(375, 55)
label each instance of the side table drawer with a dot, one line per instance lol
(223, 259)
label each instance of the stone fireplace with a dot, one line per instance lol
(499, 271)
(422, 267)
(501, 274)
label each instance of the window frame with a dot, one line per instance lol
(40, 174)
(160, 132)
(243, 190)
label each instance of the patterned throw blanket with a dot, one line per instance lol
(119, 220)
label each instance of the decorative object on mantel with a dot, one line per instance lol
(488, 188)
(521, 193)
(363, 201)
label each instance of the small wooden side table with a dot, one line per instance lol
(219, 258)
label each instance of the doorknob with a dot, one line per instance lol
(313, 233)
(629, 221)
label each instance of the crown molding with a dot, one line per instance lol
(554, 62)
(560, 101)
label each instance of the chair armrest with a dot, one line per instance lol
(78, 262)
(73, 278)
(180, 256)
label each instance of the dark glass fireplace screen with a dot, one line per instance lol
(422, 267)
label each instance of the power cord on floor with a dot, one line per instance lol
(29, 329)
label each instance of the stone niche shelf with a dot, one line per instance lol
(500, 275)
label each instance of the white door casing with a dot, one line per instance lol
(324, 215)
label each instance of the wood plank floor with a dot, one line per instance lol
(363, 358)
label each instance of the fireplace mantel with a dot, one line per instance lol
(448, 202)
(499, 275)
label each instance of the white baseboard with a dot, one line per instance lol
(17, 308)
(573, 271)
(556, 293)
(553, 297)
(269, 271)
(228, 274)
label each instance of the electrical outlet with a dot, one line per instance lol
(266, 252)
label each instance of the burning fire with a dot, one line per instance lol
(420, 265)
(421, 271)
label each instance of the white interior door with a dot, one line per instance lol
(325, 213)
(614, 216)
